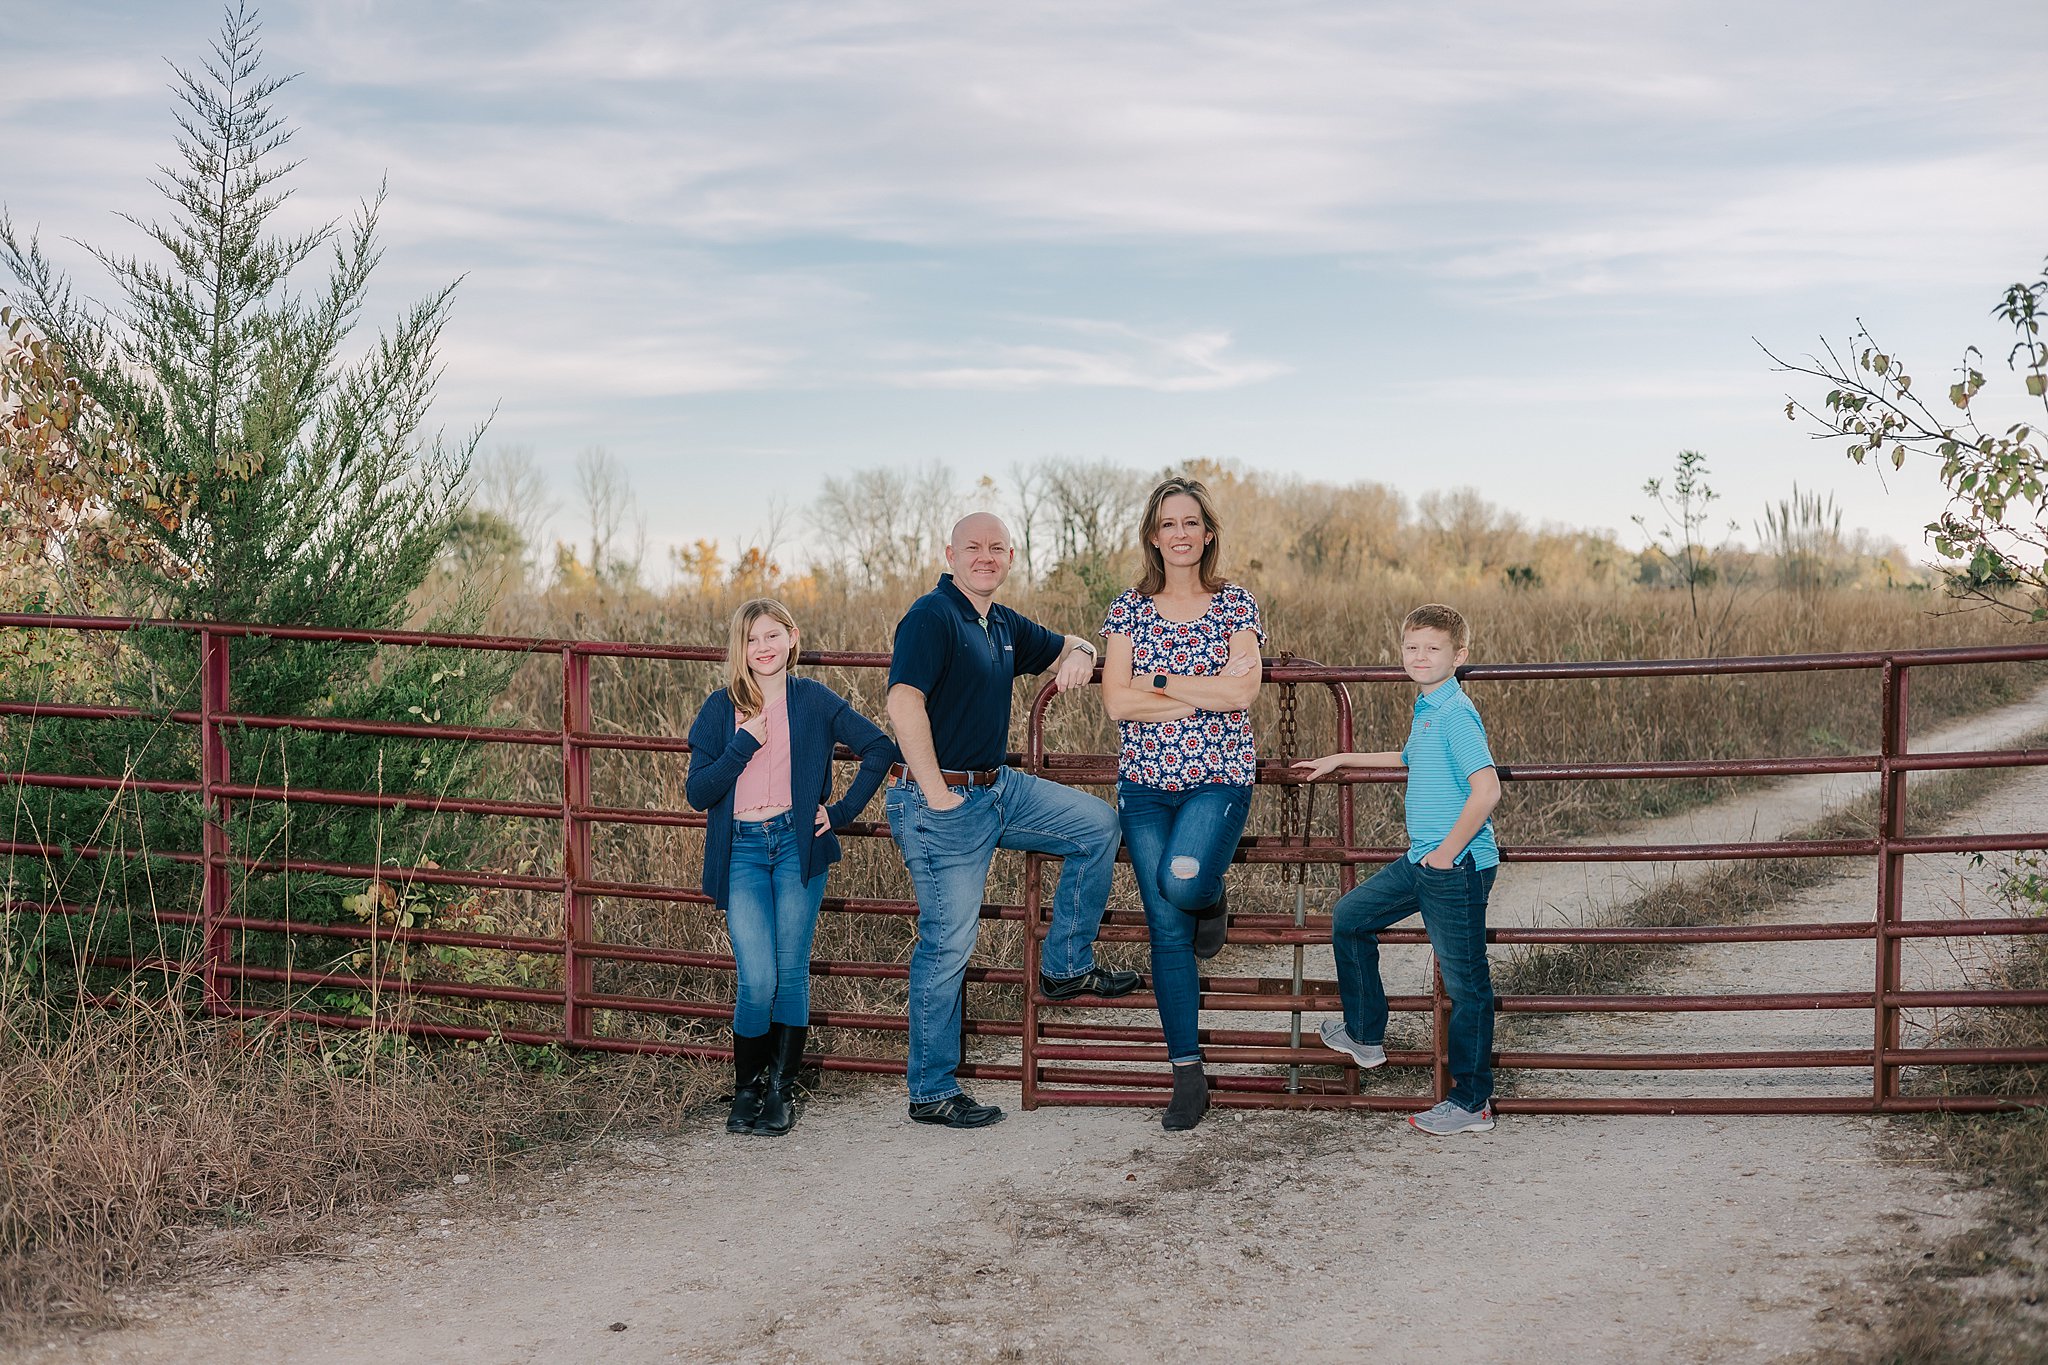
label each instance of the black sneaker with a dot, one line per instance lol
(956, 1111)
(1211, 927)
(1098, 981)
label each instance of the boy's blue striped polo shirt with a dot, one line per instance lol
(1446, 745)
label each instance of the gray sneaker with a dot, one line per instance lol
(1367, 1055)
(1448, 1118)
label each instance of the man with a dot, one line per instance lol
(952, 803)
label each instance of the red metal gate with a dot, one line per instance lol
(1063, 1055)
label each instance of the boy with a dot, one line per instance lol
(1447, 875)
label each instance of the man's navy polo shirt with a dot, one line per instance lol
(964, 663)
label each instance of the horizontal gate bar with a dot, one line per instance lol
(424, 1029)
(1768, 663)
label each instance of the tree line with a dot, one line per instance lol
(1075, 520)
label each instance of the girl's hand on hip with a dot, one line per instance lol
(824, 822)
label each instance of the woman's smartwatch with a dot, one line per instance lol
(1159, 682)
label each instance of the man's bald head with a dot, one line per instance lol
(979, 528)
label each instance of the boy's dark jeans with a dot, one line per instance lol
(1453, 906)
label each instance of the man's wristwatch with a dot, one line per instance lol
(1084, 647)
(1159, 682)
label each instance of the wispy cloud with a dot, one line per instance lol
(1113, 356)
(84, 79)
(1490, 389)
(1775, 231)
(638, 367)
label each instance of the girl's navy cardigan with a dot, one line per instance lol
(818, 719)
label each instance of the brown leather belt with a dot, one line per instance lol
(983, 777)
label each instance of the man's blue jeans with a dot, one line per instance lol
(948, 854)
(771, 912)
(1180, 843)
(1453, 906)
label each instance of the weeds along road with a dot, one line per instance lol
(1088, 1235)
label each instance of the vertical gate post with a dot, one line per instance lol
(1891, 882)
(1439, 1030)
(215, 883)
(576, 980)
(1291, 815)
(1034, 892)
(1347, 830)
(1347, 794)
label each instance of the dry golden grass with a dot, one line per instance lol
(124, 1132)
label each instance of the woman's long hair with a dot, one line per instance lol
(1154, 577)
(739, 679)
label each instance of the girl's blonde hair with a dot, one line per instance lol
(739, 679)
(1154, 577)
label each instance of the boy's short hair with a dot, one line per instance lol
(1437, 616)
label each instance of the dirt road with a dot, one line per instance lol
(1072, 1235)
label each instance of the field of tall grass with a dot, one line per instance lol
(1620, 719)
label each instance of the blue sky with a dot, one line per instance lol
(1518, 247)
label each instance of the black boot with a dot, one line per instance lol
(1211, 925)
(750, 1061)
(778, 1107)
(1190, 1099)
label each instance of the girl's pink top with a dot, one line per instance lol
(763, 787)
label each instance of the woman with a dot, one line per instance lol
(761, 765)
(1180, 671)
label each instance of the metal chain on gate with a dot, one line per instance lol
(1294, 820)
(1291, 815)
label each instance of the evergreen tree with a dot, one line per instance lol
(294, 482)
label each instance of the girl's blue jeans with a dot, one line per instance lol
(1180, 842)
(771, 913)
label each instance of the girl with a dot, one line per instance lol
(761, 765)
(1179, 675)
